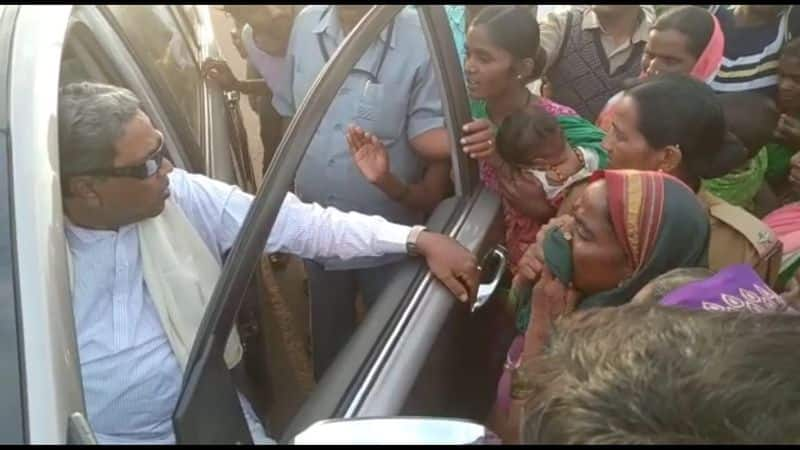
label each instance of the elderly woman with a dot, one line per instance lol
(627, 228)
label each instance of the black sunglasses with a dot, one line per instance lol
(142, 171)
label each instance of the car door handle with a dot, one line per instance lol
(485, 290)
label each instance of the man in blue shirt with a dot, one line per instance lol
(391, 93)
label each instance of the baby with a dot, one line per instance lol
(530, 142)
(534, 149)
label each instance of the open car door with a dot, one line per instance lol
(418, 350)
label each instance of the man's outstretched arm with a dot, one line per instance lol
(309, 231)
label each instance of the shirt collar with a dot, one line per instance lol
(329, 24)
(641, 34)
(88, 235)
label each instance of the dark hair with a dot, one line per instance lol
(515, 30)
(649, 374)
(696, 23)
(679, 110)
(751, 117)
(91, 117)
(524, 132)
(791, 49)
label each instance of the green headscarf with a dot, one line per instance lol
(740, 188)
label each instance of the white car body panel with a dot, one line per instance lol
(51, 369)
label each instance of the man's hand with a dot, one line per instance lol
(219, 72)
(788, 131)
(478, 141)
(369, 154)
(454, 265)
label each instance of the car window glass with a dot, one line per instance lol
(160, 45)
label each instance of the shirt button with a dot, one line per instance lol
(337, 127)
(331, 162)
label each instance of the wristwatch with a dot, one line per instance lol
(411, 242)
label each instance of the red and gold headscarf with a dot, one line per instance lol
(660, 224)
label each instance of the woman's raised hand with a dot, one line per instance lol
(550, 300)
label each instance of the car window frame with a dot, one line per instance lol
(13, 417)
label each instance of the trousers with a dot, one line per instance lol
(333, 314)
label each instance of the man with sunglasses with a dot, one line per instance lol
(144, 242)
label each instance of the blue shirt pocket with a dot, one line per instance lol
(380, 113)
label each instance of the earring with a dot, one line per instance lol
(519, 77)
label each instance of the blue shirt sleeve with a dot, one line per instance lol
(425, 105)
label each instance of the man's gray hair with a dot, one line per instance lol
(640, 374)
(91, 118)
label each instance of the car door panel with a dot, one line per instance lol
(435, 335)
(441, 363)
(13, 419)
(407, 336)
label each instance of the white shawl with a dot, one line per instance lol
(180, 272)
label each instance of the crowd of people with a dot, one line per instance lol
(649, 196)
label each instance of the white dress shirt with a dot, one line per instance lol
(131, 378)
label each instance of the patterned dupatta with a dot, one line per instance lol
(660, 224)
